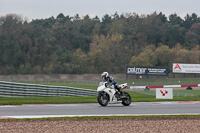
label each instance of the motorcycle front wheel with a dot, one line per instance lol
(103, 99)
(127, 100)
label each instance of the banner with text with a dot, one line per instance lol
(186, 68)
(157, 71)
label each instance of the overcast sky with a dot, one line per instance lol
(37, 9)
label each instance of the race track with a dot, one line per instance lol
(94, 109)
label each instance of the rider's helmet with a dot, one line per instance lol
(104, 75)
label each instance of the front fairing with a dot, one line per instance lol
(101, 86)
(104, 86)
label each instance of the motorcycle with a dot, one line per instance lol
(108, 94)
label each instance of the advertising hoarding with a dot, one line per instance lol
(157, 71)
(186, 68)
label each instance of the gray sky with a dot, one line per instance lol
(37, 9)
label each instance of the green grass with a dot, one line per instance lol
(45, 100)
(194, 92)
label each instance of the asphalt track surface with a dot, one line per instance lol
(94, 109)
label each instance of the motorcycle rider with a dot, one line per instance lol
(105, 77)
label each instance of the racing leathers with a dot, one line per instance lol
(111, 81)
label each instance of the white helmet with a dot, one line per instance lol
(104, 75)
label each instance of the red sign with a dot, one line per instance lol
(177, 67)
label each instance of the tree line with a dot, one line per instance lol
(79, 45)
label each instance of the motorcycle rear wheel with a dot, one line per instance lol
(103, 99)
(127, 100)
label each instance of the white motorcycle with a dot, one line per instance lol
(108, 94)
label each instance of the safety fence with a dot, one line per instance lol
(11, 89)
